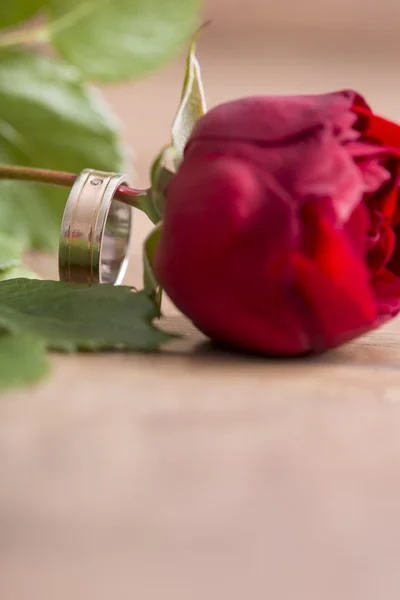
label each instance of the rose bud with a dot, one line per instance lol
(282, 226)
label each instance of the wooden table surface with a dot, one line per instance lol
(195, 474)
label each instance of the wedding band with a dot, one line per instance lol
(95, 231)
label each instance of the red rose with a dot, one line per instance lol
(280, 231)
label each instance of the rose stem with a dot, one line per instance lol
(124, 193)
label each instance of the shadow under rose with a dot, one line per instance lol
(379, 349)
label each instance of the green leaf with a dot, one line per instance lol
(73, 316)
(18, 271)
(11, 267)
(13, 12)
(48, 119)
(114, 39)
(161, 176)
(193, 103)
(10, 252)
(147, 204)
(23, 360)
(151, 285)
(153, 203)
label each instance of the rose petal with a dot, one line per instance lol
(334, 280)
(273, 119)
(316, 165)
(385, 132)
(381, 253)
(341, 316)
(387, 289)
(225, 257)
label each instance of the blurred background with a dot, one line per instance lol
(329, 15)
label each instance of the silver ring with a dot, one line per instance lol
(95, 231)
